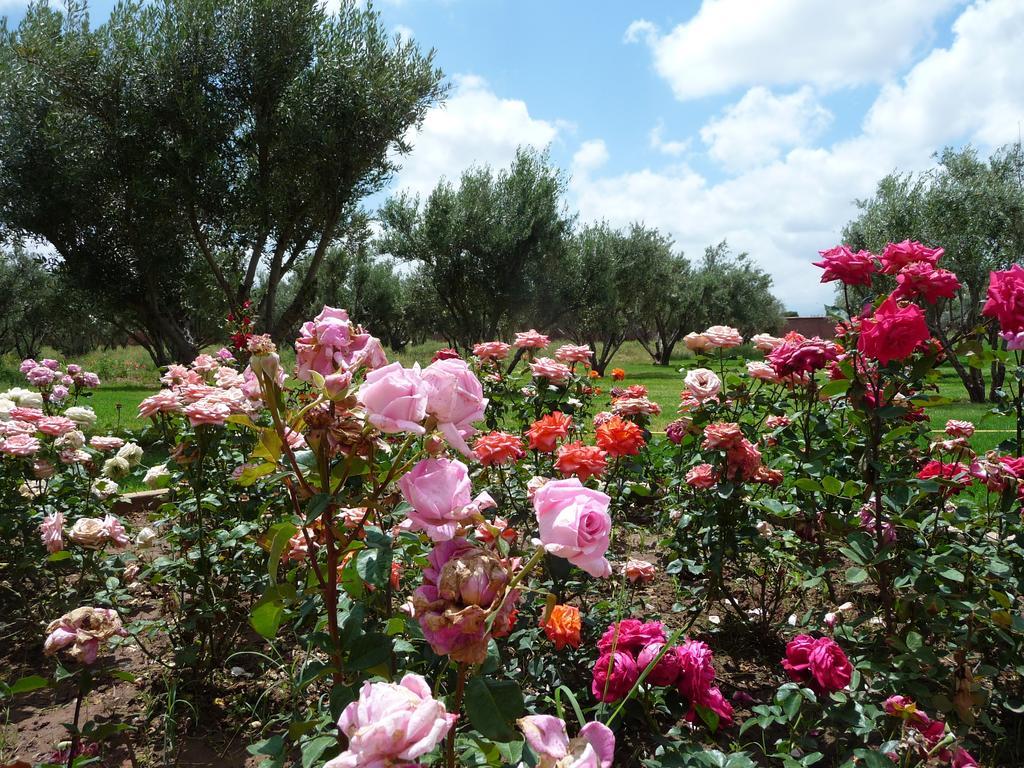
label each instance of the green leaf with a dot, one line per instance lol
(313, 749)
(266, 618)
(369, 650)
(832, 485)
(56, 557)
(252, 473)
(493, 706)
(951, 574)
(855, 575)
(280, 535)
(29, 683)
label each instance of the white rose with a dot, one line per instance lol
(5, 408)
(72, 440)
(157, 477)
(30, 400)
(145, 538)
(116, 468)
(88, 532)
(82, 416)
(132, 453)
(104, 488)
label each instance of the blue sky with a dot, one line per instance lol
(758, 122)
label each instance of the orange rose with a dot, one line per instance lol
(583, 461)
(563, 626)
(620, 437)
(497, 448)
(618, 374)
(546, 432)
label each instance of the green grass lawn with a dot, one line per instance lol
(128, 376)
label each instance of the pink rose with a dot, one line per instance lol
(702, 477)
(762, 371)
(958, 428)
(51, 531)
(696, 671)
(330, 342)
(456, 399)
(207, 411)
(696, 342)
(491, 350)
(531, 339)
(1014, 341)
(41, 376)
(801, 355)
(1006, 299)
(553, 371)
(924, 280)
(392, 724)
(893, 332)
(594, 747)
(843, 264)
(439, 492)
(765, 342)
(570, 353)
(666, 671)
(395, 399)
(81, 631)
(613, 676)
(703, 384)
(896, 256)
(27, 365)
(20, 445)
(55, 426)
(164, 401)
(574, 523)
(722, 337)
(818, 663)
(638, 571)
(631, 635)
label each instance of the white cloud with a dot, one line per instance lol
(760, 125)
(785, 210)
(666, 147)
(474, 127)
(739, 43)
(405, 34)
(590, 156)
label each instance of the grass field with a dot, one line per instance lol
(128, 376)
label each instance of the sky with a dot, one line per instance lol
(752, 121)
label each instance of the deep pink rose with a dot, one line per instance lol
(631, 635)
(456, 399)
(849, 267)
(924, 280)
(330, 342)
(391, 724)
(893, 332)
(818, 663)
(614, 675)
(800, 356)
(574, 523)
(701, 477)
(696, 671)
(1006, 299)
(715, 701)
(594, 747)
(896, 256)
(666, 671)
(395, 399)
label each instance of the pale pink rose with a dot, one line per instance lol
(391, 724)
(50, 363)
(765, 342)
(16, 427)
(90, 380)
(31, 415)
(553, 371)
(703, 384)
(574, 524)
(439, 492)
(571, 353)
(294, 439)
(395, 399)
(193, 393)
(164, 401)
(55, 426)
(115, 532)
(696, 342)
(228, 378)
(337, 384)
(223, 354)
(455, 398)
(491, 350)
(638, 571)
(531, 339)
(59, 394)
(81, 631)
(105, 442)
(51, 531)
(777, 422)
(20, 445)
(723, 337)
(594, 747)
(207, 411)
(957, 428)
(89, 532)
(205, 363)
(633, 406)
(762, 371)
(27, 365)
(178, 375)
(41, 376)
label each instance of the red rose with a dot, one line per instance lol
(893, 332)
(1006, 298)
(841, 263)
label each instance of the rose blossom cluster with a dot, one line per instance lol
(630, 646)
(56, 385)
(742, 459)
(923, 735)
(800, 356)
(912, 264)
